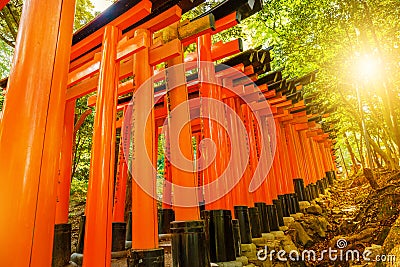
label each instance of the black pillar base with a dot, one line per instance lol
(331, 176)
(326, 183)
(295, 202)
(315, 191)
(242, 215)
(118, 236)
(307, 193)
(255, 223)
(189, 246)
(236, 238)
(81, 236)
(312, 192)
(129, 228)
(273, 218)
(278, 207)
(262, 209)
(61, 245)
(221, 239)
(284, 206)
(320, 187)
(146, 258)
(290, 204)
(165, 217)
(299, 189)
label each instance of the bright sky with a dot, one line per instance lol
(101, 5)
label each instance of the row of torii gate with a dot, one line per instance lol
(113, 56)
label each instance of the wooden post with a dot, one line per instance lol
(120, 186)
(211, 129)
(64, 177)
(144, 206)
(31, 132)
(185, 202)
(98, 230)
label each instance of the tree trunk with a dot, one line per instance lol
(371, 179)
(388, 160)
(359, 148)
(352, 156)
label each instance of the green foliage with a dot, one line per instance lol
(5, 59)
(330, 36)
(83, 13)
(83, 145)
(9, 21)
(78, 189)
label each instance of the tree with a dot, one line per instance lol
(10, 16)
(330, 36)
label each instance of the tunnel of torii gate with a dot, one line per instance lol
(112, 57)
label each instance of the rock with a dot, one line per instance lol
(230, 264)
(278, 234)
(251, 255)
(283, 228)
(304, 204)
(259, 242)
(267, 263)
(301, 234)
(393, 238)
(314, 209)
(290, 248)
(374, 250)
(365, 236)
(288, 220)
(324, 223)
(298, 216)
(249, 251)
(77, 258)
(272, 245)
(248, 247)
(263, 263)
(244, 260)
(268, 236)
(315, 225)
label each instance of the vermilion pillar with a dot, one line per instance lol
(247, 176)
(307, 168)
(269, 150)
(181, 151)
(211, 129)
(251, 128)
(99, 203)
(278, 164)
(31, 132)
(144, 206)
(262, 147)
(64, 176)
(120, 187)
(240, 191)
(167, 187)
(299, 151)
